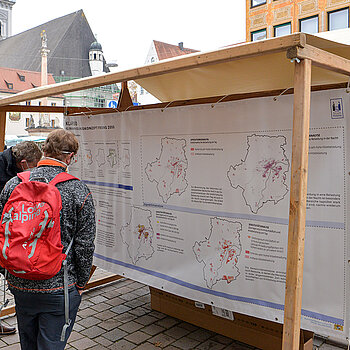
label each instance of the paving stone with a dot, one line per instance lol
(137, 337)
(161, 340)
(92, 292)
(177, 332)
(125, 317)
(83, 343)
(89, 321)
(139, 311)
(115, 301)
(105, 315)
(129, 296)
(84, 304)
(186, 343)
(93, 332)
(13, 347)
(77, 327)
(11, 339)
(153, 329)
(134, 303)
(98, 299)
(122, 345)
(157, 314)
(86, 312)
(130, 326)
(171, 347)
(111, 294)
(141, 291)
(201, 334)
(120, 309)
(145, 299)
(168, 322)
(210, 345)
(115, 334)
(101, 307)
(75, 336)
(146, 320)
(109, 324)
(189, 326)
(103, 341)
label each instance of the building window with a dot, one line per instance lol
(254, 3)
(39, 104)
(282, 29)
(309, 25)
(9, 85)
(21, 77)
(338, 19)
(53, 103)
(27, 122)
(28, 103)
(52, 123)
(258, 35)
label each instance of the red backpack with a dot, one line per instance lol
(30, 233)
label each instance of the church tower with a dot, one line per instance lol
(6, 18)
(96, 58)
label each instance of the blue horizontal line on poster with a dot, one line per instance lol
(268, 219)
(109, 184)
(254, 301)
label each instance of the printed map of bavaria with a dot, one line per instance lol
(262, 174)
(220, 251)
(169, 170)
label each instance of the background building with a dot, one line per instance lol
(157, 52)
(273, 18)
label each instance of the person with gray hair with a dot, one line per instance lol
(21, 157)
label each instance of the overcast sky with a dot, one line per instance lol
(126, 29)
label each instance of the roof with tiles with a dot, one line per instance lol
(69, 39)
(165, 50)
(16, 80)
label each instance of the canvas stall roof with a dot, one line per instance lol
(246, 68)
(272, 71)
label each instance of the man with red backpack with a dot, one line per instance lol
(48, 220)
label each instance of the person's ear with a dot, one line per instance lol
(24, 165)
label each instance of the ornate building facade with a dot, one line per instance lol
(273, 18)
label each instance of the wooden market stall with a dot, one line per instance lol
(294, 64)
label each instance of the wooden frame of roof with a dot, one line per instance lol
(306, 52)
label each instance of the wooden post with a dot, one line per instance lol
(298, 192)
(2, 129)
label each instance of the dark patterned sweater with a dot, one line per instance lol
(77, 221)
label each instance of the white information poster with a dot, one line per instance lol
(195, 201)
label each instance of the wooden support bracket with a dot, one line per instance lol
(321, 58)
(124, 100)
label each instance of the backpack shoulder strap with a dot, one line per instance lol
(24, 176)
(62, 177)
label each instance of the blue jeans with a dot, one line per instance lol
(40, 318)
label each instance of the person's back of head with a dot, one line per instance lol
(26, 153)
(60, 144)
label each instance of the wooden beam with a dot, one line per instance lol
(297, 209)
(2, 130)
(52, 109)
(185, 62)
(321, 58)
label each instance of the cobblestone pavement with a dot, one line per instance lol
(119, 316)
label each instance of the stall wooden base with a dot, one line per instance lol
(262, 334)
